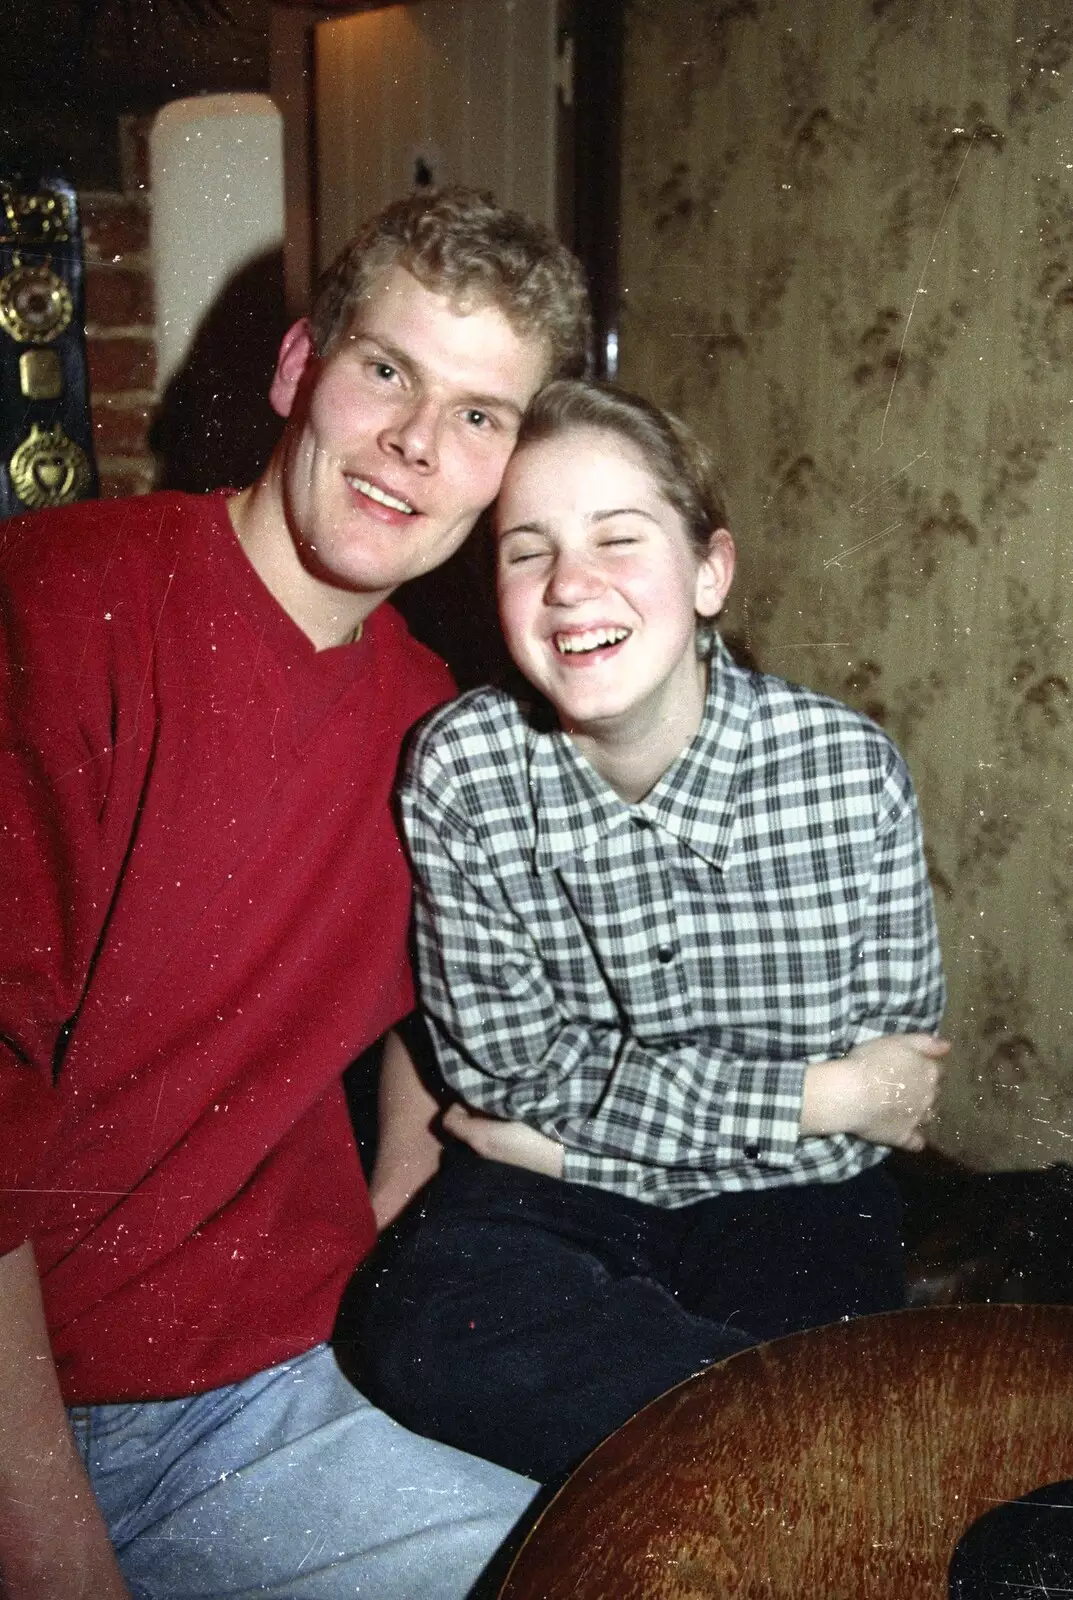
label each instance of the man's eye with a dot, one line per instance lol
(478, 419)
(384, 370)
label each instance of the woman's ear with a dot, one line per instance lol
(295, 354)
(715, 574)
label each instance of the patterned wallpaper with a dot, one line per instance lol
(848, 259)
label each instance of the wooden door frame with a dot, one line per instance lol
(589, 150)
(593, 160)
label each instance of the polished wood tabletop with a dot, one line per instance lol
(839, 1464)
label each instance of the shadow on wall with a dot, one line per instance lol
(214, 427)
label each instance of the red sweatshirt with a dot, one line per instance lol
(204, 920)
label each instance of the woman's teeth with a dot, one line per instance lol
(577, 644)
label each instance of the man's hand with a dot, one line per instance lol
(512, 1142)
(53, 1541)
(883, 1091)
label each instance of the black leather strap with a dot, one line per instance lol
(46, 440)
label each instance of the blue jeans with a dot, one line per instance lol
(290, 1485)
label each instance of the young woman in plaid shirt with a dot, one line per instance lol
(678, 959)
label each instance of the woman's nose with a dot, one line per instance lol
(573, 578)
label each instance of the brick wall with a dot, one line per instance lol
(120, 329)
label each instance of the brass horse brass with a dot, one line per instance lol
(49, 469)
(40, 375)
(35, 305)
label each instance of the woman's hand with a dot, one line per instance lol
(883, 1090)
(515, 1143)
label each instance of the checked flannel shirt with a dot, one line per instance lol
(647, 982)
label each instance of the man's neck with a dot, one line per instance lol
(328, 615)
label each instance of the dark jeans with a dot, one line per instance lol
(524, 1319)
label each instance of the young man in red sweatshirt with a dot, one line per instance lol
(205, 913)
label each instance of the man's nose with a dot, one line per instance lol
(414, 435)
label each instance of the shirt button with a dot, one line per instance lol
(752, 1152)
(641, 823)
(665, 953)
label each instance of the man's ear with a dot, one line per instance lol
(715, 574)
(295, 354)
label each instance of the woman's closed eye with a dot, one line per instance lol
(522, 546)
(518, 558)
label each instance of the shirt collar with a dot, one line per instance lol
(695, 800)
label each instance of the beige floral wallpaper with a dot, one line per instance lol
(847, 258)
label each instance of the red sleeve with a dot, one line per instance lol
(58, 803)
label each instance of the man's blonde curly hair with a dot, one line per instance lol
(459, 243)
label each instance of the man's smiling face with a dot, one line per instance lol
(398, 436)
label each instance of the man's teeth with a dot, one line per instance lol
(381, 496)
(577, 644)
